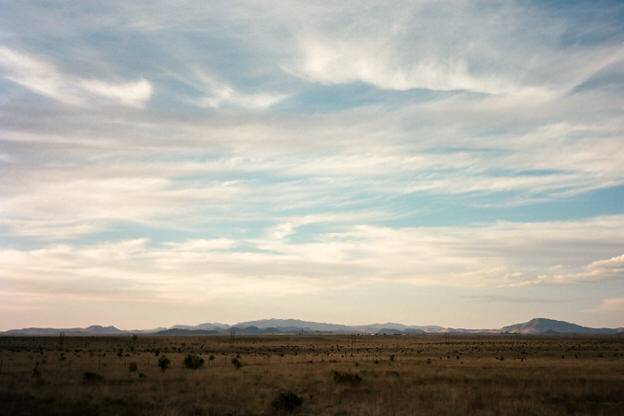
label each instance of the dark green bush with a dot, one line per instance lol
(164, 363)
(91, 377)
(193, 361)
(36, 372)
(287, 401)
(347, 378)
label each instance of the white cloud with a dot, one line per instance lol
(332, 61)
(132, 94)
(612, 268)
(203, 245)
(44, 78)
(221, 94)
(66, 207)
(495, 255)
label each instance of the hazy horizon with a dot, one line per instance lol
(430, 163)
(352, 324)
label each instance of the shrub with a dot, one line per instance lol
(133, 367)
(347, 378)
(193, 361)
(287, 401)
(236, 363)
(91, 377)
(164, 363)
(36, 372)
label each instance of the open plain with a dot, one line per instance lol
(325, 374)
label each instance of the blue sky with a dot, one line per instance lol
(452, 163)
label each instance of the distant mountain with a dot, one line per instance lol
(296, 325)
(205, 326)
(538, 326)
(89, 331)
(550, 326)
(179, 332)
(375, 328)
(103, 330)
(389, 331)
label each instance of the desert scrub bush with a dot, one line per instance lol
(193, 361)
(133, 367)
(236, 363)
(36, 371)
(91, 377)
(347, 378)
(164, 363)
(287, 401)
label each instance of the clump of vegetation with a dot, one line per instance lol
(164, 363)
(237, 363)
(36, 372)
(91, 377)
(347, 378)
(193, 361)
(133, 367)
(287, 401)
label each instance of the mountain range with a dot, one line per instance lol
(537, 326)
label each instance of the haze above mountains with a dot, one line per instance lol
(537, 326)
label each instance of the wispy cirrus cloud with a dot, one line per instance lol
(69, 207)
(221, 94)
(44, 78)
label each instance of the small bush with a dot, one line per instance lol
(236, 363)
(287, 401)
(133, 367)
(347, 378)
(164, 363)
(91, 377)
(36, 372)
(193, 361)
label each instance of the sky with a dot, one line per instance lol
(458, 163)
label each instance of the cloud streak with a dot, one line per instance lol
(44, 78)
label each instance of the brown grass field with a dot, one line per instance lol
(324, 375)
